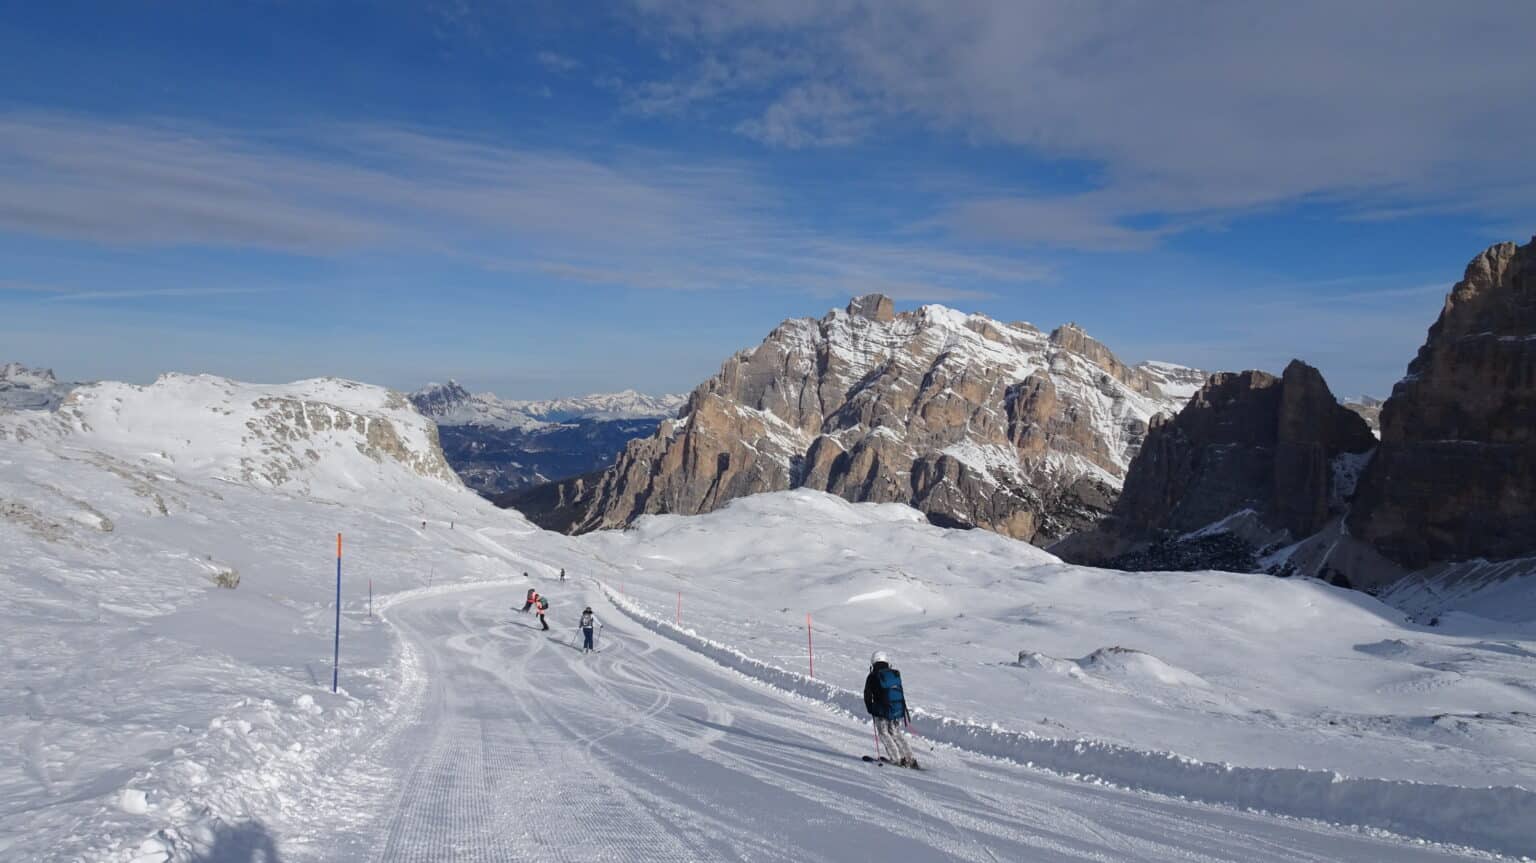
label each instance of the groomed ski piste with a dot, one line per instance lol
(1063, 713)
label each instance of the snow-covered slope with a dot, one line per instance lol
(1174, 380)
(325, 437)
(1244, 669)
(451, 404)
(155, 716)
(137, 697)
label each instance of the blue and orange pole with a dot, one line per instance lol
(336, 655)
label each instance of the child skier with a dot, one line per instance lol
(533, 596)
(587, 626)
(541, 605)
(887, 705)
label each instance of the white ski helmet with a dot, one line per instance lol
(878, 657)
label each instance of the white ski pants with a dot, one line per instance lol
(893, 739)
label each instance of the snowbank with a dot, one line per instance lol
(1499, 819)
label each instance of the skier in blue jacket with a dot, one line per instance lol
(887, 705)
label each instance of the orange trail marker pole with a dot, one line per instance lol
(336, 654)
(810, 647)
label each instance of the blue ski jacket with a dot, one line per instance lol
(883, 697)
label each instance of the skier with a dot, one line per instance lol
(562, 573)
(533, 597)
(541, 606)
(887, 705)
(588, 628)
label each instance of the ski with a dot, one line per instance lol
(882, 761)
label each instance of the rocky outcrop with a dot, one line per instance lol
(1247, 443)
(1455, 476)
(976, 422)
(1369, 410)
(27, 389)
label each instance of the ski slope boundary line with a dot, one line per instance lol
(1500, 819)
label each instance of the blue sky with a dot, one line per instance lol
(550, 198)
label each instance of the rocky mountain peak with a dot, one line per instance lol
(875, 307)
(436, 399)
(18, 373)
(1455, 477)
(977, 423)
(1246, 442)
(24, 388)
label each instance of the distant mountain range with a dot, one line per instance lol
(502, 445)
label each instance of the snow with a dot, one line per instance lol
(1494, 818)
(1345, 471)
(1176, 381)
(970, 603)
(157, 717)
(450, 404)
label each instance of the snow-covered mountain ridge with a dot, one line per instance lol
(976, 422)
(324, 437)
(452, 404)
(500, 445)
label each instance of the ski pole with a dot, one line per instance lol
(875, 727)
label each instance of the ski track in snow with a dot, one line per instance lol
(524, 748)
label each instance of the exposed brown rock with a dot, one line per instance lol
(976, 422)
(1248, 441)
(1455, 476)
(876, 307)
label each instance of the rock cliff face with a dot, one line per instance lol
(27, 389)
(1369, 410)
(975, 422)
(1455, 476)
(1270, 456)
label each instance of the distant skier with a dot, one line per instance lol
(588, 627)
(887, 705)
(541, 606)
(533, 597)
(562, 573)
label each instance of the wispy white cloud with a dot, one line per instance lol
(1193, 112)
(556, 62)
(637, 219)
(811, 115)
(141, 293)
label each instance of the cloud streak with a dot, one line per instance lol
(1192, 112)
(636, 220)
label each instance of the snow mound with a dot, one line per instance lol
(1134, 665)
(1040, 662)
(1121, 663)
